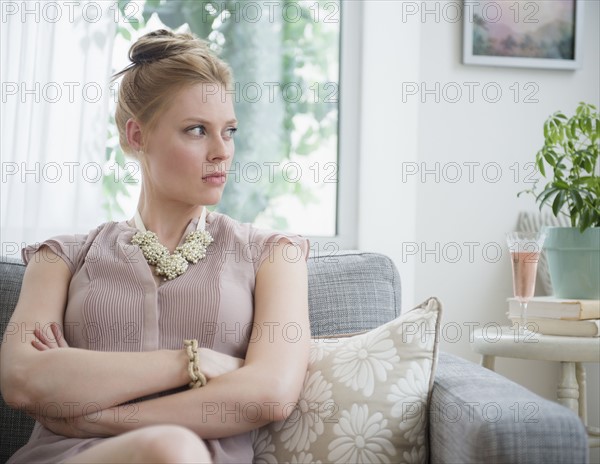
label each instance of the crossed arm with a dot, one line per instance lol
(240, 395)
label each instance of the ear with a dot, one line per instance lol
(133, 129)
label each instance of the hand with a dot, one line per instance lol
(75, 427)
(213, 364)
(47, 340)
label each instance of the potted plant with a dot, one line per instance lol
(569, 162)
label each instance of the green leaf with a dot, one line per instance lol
(563, 131)
(573, 127)
(561, 184)
(585, 220)
(558, 203)
(540, 164)
(569, 131)
(577, 200)
(549, 158)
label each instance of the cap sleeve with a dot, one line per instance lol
(67, 247)
(266, 242)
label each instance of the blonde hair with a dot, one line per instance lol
(163, 63)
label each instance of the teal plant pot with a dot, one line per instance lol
(574, 262)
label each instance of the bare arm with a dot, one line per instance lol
(72, 378)
(266, 388)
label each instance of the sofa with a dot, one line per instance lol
(353, 291)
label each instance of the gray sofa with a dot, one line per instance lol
(354, 291)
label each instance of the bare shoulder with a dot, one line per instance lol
(283, 265)
(281, 291)
(44, 289)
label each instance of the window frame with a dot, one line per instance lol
(346, 227)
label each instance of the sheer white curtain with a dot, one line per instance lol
(55, 66)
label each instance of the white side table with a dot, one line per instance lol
(571, 352)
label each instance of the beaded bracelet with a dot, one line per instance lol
(197, 377)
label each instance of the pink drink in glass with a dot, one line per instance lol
(524, 267)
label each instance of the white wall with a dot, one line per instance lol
(406, 218)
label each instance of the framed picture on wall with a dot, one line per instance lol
(523, 33)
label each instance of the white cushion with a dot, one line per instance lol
(365, 397)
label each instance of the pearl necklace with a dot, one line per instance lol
(172, 265)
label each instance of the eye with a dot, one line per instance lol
(232, 130)
(201, 130)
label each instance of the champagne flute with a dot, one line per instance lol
(525, 249)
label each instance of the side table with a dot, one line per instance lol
(571, 352)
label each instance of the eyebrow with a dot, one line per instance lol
(208, 123)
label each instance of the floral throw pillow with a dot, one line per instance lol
(365, 397)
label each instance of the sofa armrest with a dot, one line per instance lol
(478, 416)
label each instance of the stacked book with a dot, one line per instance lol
(552, 316)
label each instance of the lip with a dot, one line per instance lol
(215, 179)
(215, 174)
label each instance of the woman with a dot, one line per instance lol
(109, 367)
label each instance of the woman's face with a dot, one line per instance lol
(192, 139)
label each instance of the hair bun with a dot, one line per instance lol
(160, 33)
(159, 44)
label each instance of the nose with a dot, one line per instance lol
(219, 150)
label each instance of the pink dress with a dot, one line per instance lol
(114, 304)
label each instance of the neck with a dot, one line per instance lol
(167, 219)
